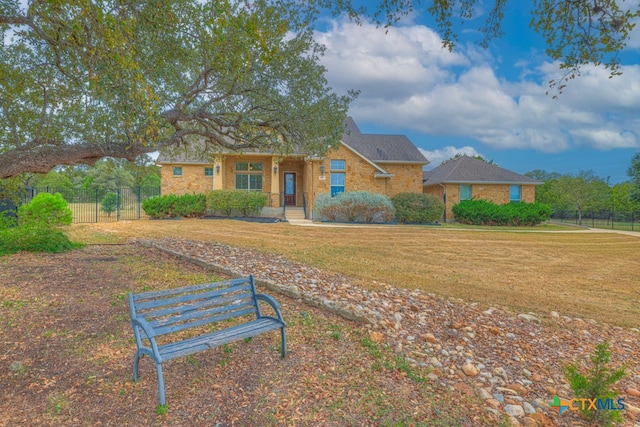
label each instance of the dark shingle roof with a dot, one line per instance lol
(381, 148)
(467, 169)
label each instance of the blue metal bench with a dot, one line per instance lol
(160, 318)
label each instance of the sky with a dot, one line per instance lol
(491, 103)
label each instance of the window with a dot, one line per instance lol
(252, 179)
(248, 182)
(337, 178)
(465, 192)
(249, 167)
(338, 165)
(177, 171)
(208, 171)
(514, 193)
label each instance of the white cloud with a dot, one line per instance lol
(436, 157)
(408, 81)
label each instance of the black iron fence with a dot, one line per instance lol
(629, 221)
(93, 205)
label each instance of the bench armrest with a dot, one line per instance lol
(146, 326)
(272, 302)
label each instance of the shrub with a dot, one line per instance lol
(245, 203)
(7, 220)
(160, 207)
(172, 206)
(33, 238)
(45, 210)
(190, 205)
(596, 384)
(109, 203)
(417, 207)
(354, 206)
(484, 212)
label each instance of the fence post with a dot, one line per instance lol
(139, 200)
(96, 205)
(118, 205)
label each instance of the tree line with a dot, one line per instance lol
(107, 175)
(585, 191)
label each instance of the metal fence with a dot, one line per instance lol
(95, 205)
(629, 221)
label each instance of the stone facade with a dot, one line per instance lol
(497, 193)
(360, 175)
(192, 180)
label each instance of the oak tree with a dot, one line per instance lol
(81, 80)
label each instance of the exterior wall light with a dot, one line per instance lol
(321, 169)
(275, 169)
(217, 169)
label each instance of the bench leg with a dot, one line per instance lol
(283, 337)
(160, 384)
(136, 359)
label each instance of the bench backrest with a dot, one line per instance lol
(175, 310)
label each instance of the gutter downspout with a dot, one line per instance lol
(444, 199)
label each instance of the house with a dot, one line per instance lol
(467, 178)
(386, 164)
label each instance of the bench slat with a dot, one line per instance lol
(201, 321)
(156, 315)
(218, 338)
(189, 289)
(231, 310)
(186, 297)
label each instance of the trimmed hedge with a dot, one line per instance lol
(230, 202)
(485, 212)
(353, 206)
(173, 206)
(417, 208)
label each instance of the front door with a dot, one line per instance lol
(290, 188)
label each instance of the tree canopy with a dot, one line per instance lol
(82, 80)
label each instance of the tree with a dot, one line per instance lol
(576, 32)
(86, 80)
(584, 191)
(109, 175)
(478, 157)
(634, 173)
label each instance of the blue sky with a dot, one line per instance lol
(486, 102)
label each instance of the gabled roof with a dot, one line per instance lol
(469, 170)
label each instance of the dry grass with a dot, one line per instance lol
(587, 275)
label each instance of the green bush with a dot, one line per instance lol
(353, 206)
(32, 238)
(417, 208)
(596, 384)
(109, 203)
(228, 202)
(172, 206)
(191, 205)
(7, 220)
(160, 207)
(45, 210)
(485, 212)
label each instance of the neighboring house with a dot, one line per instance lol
(468, 178)
(386, 164)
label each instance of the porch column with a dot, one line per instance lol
(218, 175)
(274, 170)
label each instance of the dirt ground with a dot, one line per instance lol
(66, 350)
